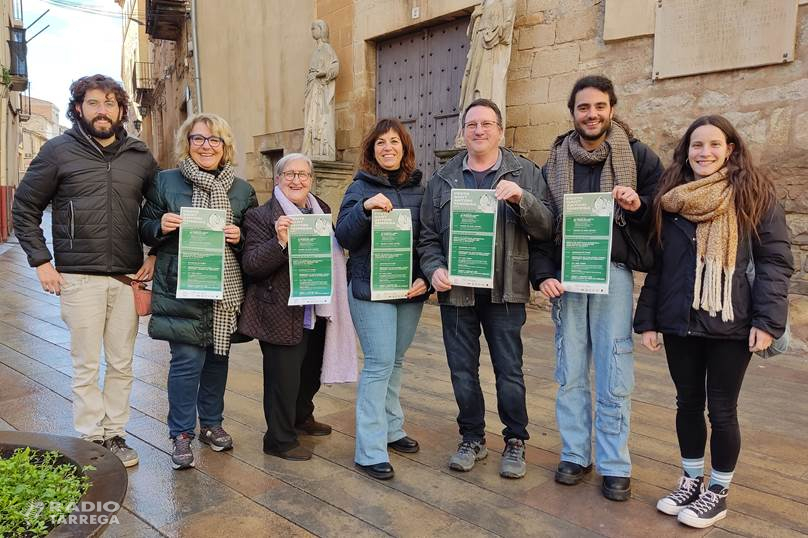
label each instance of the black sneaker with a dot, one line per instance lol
(710, 507)
(688, 491)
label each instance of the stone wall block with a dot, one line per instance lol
(536, 137)
(555, 112)
(669, 105)
(577, 25)
(712, 102)
(561, 85)
(798, 228)
(779, 127)
(800, 131)
(539, 156)
(793, 91)
(528, 91)
(539, 35)
(518, 115)
(536, 6)
(555, 60)
(529, 20)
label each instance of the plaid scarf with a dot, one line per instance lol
(710, 203)
(210, 192)
(618, 167)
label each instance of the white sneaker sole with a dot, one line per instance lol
(130, 463)
(481, 455)
(700, 523)
(669, 508)
(178, 466)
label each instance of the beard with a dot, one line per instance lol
(97, 132)
(607, 124)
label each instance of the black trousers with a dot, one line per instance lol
(711, 369)
(291, 379)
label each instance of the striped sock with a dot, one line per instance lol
(693, 468)
(721, 478)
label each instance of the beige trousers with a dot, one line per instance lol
(100, 309)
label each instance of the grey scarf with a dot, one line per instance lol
(615, 153)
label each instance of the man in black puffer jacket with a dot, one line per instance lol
(95, 177)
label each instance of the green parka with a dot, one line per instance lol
(189, 321)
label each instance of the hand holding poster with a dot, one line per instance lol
(472, 237)
(310, 246)
(200, 268)
(390, 254)
(587, 242)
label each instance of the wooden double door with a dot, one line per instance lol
(418, 79)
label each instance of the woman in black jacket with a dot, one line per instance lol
(386, 180)
(716, 218)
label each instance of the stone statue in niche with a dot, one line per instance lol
(490, 35)
(319, 131)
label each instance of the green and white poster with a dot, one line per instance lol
(390, 254)
(200, 269)
(472, 237)
(587, 242)
(310, 274)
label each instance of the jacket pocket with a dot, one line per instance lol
(71, 229)
(267, 295)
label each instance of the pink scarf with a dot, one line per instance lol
(340, 362)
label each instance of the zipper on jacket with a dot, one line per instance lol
(72, 224)
(109, 213)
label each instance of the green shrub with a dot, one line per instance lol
(36, 491)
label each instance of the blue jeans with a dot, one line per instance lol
(596, 326)
(385, 331)
(502, 325)
(196, 382)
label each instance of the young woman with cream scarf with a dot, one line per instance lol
(714, 212)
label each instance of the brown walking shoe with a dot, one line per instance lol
(312, 427)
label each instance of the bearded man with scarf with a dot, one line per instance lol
(599, 155)
(199, 331)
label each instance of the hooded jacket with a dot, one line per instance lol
(96, 197)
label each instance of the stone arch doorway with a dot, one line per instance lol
(418, 80)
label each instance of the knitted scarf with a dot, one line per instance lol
(709, 202)
(618, 167)
(210, 192)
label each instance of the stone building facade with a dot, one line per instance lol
(253, 58)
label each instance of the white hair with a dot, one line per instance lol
(286, 159)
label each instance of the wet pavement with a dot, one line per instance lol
(246, 493)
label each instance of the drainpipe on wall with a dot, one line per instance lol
(195, 42)
(3, 142)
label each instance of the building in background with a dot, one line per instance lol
(40, 127)
(13, 105)
(406, 58)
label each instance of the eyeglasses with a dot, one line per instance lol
(95, 104)
(199, 141)
(291, 175)
(486, 125)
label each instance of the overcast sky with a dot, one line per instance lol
(76, 44)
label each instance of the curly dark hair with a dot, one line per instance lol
(108, 85)
(367, 160)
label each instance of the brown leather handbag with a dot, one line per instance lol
(141, 292)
